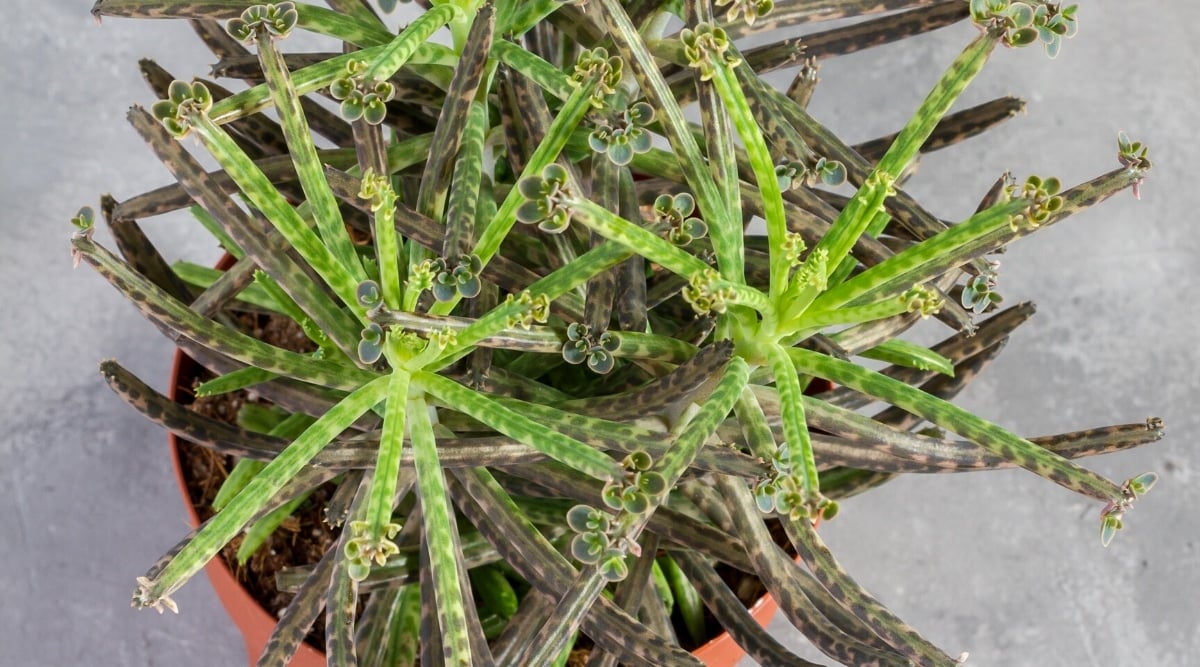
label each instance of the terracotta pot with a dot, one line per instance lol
(722, 651)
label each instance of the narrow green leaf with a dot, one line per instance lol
(155, 591)
(726, 232)
(957, 420)
(906, 353)
(177, 317)
(304, 156)
(801, 461)
(382, 495)
(566, 450)
(259, 190)
(440, 536)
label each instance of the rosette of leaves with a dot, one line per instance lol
(631, 377)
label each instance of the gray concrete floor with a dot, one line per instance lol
(1003, 565)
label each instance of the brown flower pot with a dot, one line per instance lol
(722, 651)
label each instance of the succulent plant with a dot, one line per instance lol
(630, 386)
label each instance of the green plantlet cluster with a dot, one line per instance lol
(564, 427)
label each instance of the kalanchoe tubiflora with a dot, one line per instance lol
(624, 389)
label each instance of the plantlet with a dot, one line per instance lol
(629, 386)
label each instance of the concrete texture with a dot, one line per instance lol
(1003, 565)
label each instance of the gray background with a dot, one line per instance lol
(1004, 565)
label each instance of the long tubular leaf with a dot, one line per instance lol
(341, 598)
(382, 495)
(491, 510)
(569, 116)
(936, 104)
(304, 156)
(726, 231)
(177, 196)
(884, 30)
(155, 589)
(853, 430)
(465, 193)
(987, 231)
(771, 564)
(222, 287)
(952, 128)
(909, 354)
(314, 19)
(430, 634)
(182, 322)
(957, 420)
(566, 450)
(440, 537)
(715, 119)
(857, 600)
(259, 191)
(713, 410)
(932, 455)
(258, 532)
(725, 81)
(907, 212)
(885, 309)
(944, 387)
(518, 632)
(299, 615)
(630, 301)
(801, 461)
(553, 638)
(455, 114)
(387, 244)
(919, 262)
(788, 13)
(530, 65)
(598, 302)
(615, 228)
(267, 251)
(140, 253)
(687, 600)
